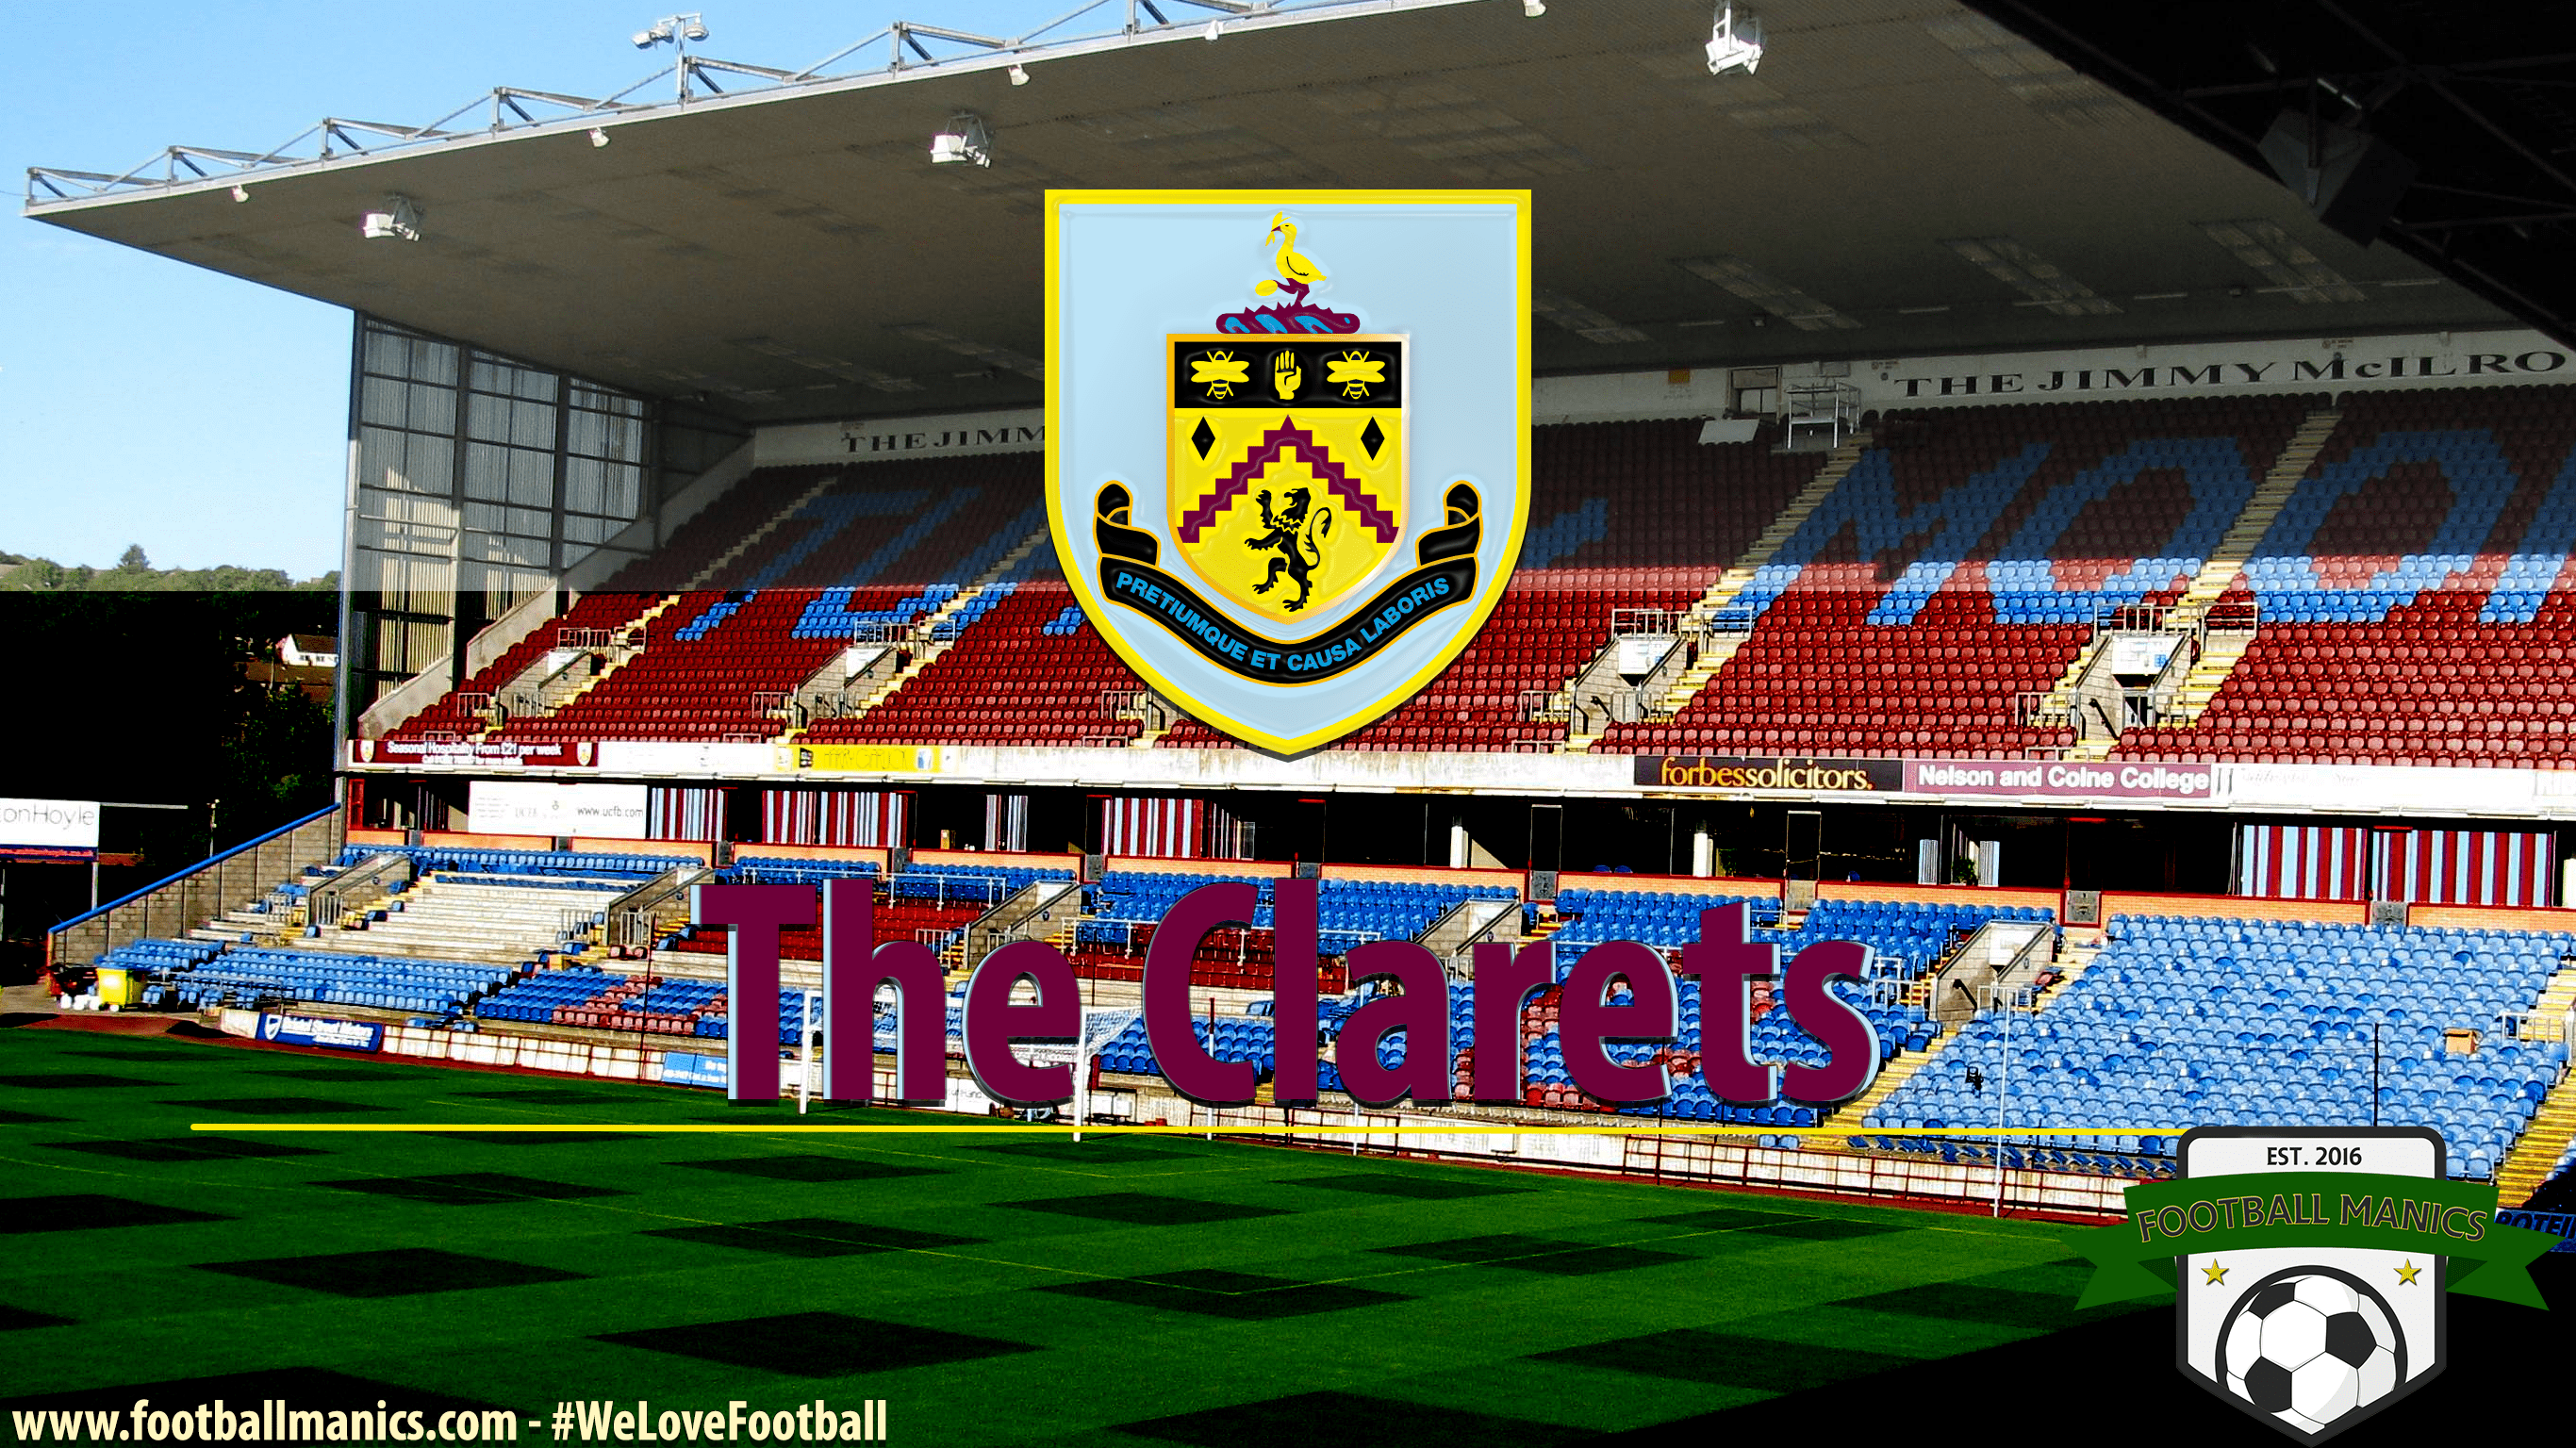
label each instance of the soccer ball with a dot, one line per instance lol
(2310, 1344)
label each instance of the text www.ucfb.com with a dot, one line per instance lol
(816, 1422)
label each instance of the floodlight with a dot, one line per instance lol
(964, 140)
(400, 218)
(1019, 75)
(1735, 40)
(241, 193)
(598, 137)
(695, 30)
(1533, 8)
(644, 39)
(1215, 29)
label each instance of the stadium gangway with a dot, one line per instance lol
(633, 918)
(377, 875)
(2537, 1025)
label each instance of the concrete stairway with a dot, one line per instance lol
(561, 691)
(776, 521)
(1731, 584)
(929, 651)
(442, 918)
(2527, 1162)
(1767, 546)
(2220, 651)
(2297, 456)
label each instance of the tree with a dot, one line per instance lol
(133, 557)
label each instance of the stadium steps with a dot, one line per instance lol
(1891, 1074)
(1586, 701)
(930, 650)
(247, 927)
(2237, 546)
(2075, 955)
(554, 700)
(2057, 707)
(929, 654)
(1018, 555)
(2528, 1162)
(1775, 537)
(2219, 655)
(554, 686)
(749, 540)
(1548, 924)
(977, 587)
(2221, 649)
(444, 919)
(1714, 654)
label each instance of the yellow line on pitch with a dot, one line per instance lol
(1222, 1129)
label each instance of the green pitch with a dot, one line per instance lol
(991, 1288)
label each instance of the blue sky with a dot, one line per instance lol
(145, 401)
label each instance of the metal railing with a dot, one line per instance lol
(325, 902)
(2537, 1025)
(574, 924)
(1658, 681)
(691, 79)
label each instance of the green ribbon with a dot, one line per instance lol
(2416, 1215)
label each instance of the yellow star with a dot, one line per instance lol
(2213, 1274)
(2406, 1274)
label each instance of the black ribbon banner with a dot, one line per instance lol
(1445, 575)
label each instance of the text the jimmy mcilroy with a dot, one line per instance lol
(1724, 960)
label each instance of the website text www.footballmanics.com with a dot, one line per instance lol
(277, 1420)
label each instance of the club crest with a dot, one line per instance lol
(1294, 514)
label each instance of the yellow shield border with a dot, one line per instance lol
(1066, 527)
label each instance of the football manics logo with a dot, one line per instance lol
(1287, 516)
(2310, 1265)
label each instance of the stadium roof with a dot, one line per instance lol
(1900, 177)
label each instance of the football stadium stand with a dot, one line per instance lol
(2377, 583)
(2373, 578)
(2410, 594)
(2156, 1021)
(2278, 1024)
